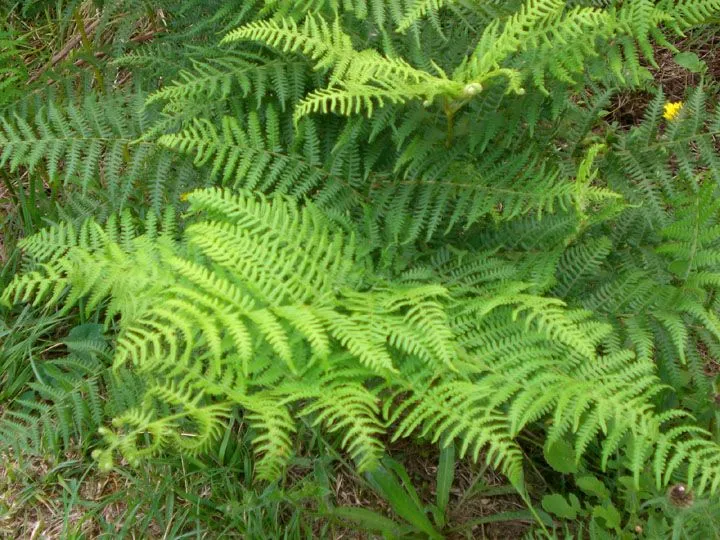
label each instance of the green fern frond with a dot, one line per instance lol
(448, 411)
(416, 10)
(275, 426)
(250, 74)
(349, 408)
(93, 143)
(64, 406)
(475, 362)
(140, 433)
(687, 13)
(325, 44)
(243, 157)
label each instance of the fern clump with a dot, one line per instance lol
(360, 221)
(273, 309)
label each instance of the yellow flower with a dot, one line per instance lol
(671, 110)
(184, 197)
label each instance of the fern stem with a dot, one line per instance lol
(450, 115)
(537, 517)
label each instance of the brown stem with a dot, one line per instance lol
(63, 53)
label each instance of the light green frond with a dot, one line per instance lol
(326, 44)
(272, 443)
(458, 411)
(353, 411)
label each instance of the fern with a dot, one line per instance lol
(250, 74)
(363, 80)
(451, 358)
(477, 113)
(253, 157)
(91, 144)
(423, 222)
(242, 300)
(66, 404)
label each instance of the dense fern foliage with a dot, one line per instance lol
(359, 222)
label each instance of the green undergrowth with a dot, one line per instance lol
(401, 269)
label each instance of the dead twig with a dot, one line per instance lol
(63, 53)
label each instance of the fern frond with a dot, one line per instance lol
(65, 404)
(459, 410)
(247, 73)
(349, 408)
(325, 44)
(91, 143)
(417, 9)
